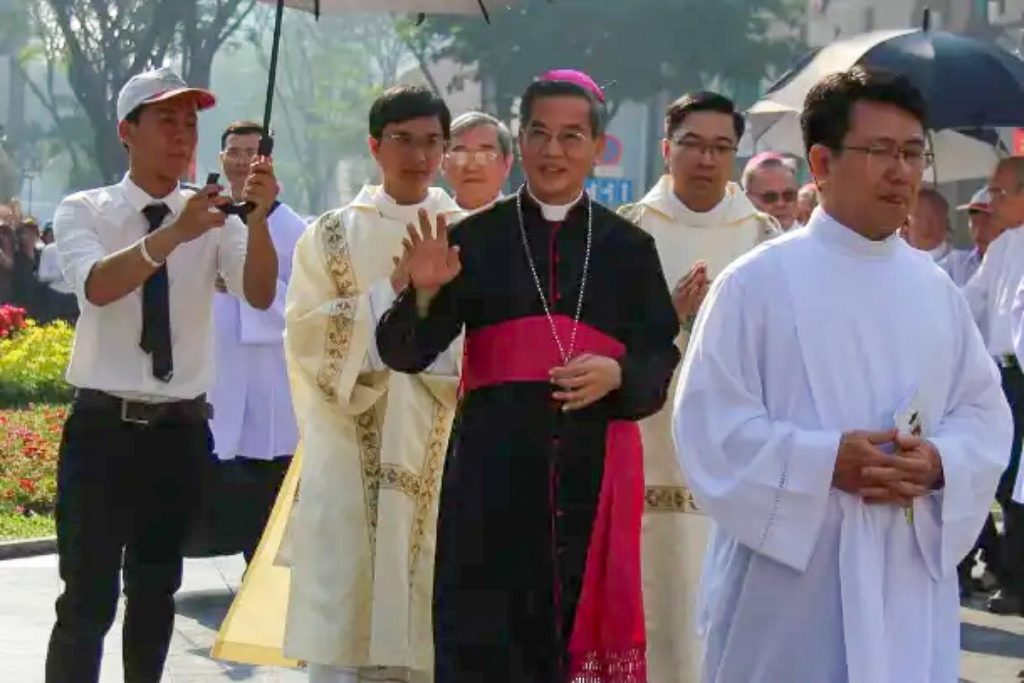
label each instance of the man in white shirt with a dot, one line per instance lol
(770, 182)
(841, 422)
(991, 294)
(142, 257)
(253, 420)
(962, 264)
(59, 300)
(928, 228)
(478, 161)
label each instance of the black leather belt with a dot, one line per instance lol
(146, 414)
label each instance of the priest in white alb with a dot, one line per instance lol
(840, 421)
(700, 222)
(355, 602)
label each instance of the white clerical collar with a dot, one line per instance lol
(554, 213)
(835, 234)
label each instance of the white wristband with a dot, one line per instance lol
(145, 254)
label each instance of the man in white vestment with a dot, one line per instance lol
(814, 363)
(701, 222)
(478, 160)
(928, 228)
(770, 182)
(253, 420)
(360, 536)
(990, 294)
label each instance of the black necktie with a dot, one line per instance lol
(156, 307)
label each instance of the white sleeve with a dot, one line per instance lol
(973, 439)
(382, 297)
(1017, 323)
(49, 265)
(765, 482)
(232, 245)
(78, 244)
(977, 290)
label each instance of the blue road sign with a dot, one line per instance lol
(611, 191)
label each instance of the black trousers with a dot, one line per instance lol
(1012, 546)
(125, 493)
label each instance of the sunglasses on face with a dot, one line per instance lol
(772, 197)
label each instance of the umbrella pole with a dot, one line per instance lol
(266, 142)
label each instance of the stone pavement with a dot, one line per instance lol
(993, 647)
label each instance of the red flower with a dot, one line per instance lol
(27, 485)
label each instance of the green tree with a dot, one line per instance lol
(635, 48)
(103, 43)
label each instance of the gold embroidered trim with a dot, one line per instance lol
(368, 435)
(429, 482)
(338, 335)
(670, 499)
(397, 478)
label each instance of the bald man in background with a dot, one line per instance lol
(928, 228)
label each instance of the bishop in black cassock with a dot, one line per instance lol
(538, 570)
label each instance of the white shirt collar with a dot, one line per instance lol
(139, 199)
(835, 234)
(554, 213)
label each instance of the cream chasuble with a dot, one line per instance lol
(359, 542)
(675, 530)
(817, 333)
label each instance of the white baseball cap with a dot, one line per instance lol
(158, 85)
(981, 201)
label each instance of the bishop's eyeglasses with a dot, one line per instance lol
(571, 141)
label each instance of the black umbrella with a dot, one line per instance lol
(967, 83)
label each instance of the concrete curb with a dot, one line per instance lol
(29, 547)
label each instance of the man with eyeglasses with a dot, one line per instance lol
(360, 535)
(569, 330)
(479, 160)
(841, 421)
(770, 182)
(700, 222)
(991, 294)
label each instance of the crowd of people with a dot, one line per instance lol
(30, 272)
(494, 482)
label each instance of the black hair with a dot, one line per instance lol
(135, 115)
(828, 107)
(402, 103)
(541, 89)
(692, 103)
(240, 128)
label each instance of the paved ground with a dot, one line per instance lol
(993, 647)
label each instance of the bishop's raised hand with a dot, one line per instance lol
(430, 261)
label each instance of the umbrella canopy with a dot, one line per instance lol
(967, 83)
(406, 6)
(959, 154)
(317, 7)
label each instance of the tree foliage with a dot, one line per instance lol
(633, 47)
(103, 43)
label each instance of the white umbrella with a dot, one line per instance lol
(773, 126)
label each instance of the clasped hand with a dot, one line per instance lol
(862, 468)
(585, 380)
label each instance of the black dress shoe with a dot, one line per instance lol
(1005, 603)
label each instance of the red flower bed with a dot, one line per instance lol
(29, 440)
(12, 319)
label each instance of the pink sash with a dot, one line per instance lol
(608, 642)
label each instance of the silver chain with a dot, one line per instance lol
(565, 354)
